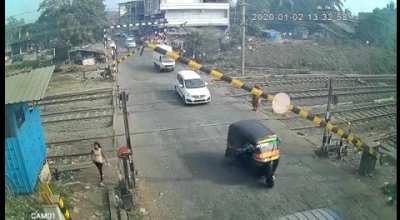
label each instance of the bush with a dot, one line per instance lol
(19, 207)
(203, 46)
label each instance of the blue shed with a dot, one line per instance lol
(25, 145)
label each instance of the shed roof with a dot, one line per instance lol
(94, 48)
(28, 86)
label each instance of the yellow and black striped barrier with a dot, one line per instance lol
(317, 121)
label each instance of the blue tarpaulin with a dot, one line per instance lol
(272, 35)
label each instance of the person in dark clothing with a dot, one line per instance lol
(256, 100)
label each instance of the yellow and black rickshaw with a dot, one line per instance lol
(253, 142)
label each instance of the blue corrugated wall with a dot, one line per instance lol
(26, 152)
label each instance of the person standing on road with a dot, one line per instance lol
(98, 159)
(256, 100)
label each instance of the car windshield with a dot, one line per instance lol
(194, 83)
(129, 39)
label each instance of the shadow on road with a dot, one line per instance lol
(169, 96)
(215, 167)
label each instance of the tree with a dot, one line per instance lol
(12, 28)
(202, 45)
(289, 7)
(379, 27)
(72, 22)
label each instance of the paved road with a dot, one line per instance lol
(182, 173)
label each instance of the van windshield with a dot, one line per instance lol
(194, 83)
(166, 59)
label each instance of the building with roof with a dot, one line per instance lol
(25, 145)
(195, 13)
(189, 13)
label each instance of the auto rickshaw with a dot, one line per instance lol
(250, 141)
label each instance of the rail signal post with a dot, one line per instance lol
(326, 138)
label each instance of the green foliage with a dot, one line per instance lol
(64, 192)
(389, 190)
(72, 22)
(379, 27)
(29, 65)
(202, 45)
(285, 7)
(18, 207)
(235, 35)
(12, 28)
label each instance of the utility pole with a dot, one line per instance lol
(325, 137)
(243, 33)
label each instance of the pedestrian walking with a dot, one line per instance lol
(98, 159)
(256, 100)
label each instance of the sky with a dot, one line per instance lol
(27, 9)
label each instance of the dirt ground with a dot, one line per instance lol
(314, 56)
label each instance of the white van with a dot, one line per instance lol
(191, 88)
(162, 62)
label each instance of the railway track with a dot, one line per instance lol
(355, 118)
(66, 113)
(312, 82)
(77, 115)
(76, 97)
(346, 108)
(345, 95)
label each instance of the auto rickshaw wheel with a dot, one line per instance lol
(275, 165)
(269, 173)
(270, 182)
(229, 156)
(227, 152)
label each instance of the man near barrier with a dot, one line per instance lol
(256, 100)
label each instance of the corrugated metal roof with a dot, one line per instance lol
(28, 86)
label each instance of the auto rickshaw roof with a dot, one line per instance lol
(251, 130)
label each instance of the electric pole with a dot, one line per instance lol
(243, 34)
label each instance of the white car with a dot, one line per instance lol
(191, 88)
